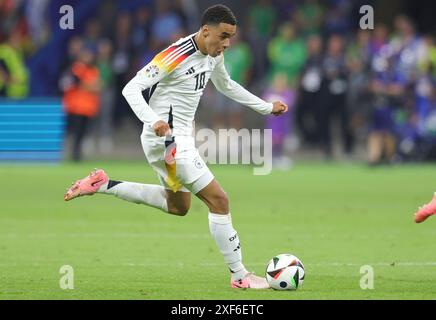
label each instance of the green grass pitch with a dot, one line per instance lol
(334, 218)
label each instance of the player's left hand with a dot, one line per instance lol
(279, 108)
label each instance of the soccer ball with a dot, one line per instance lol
(285, 272)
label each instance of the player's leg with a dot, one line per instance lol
(156, 196)
(179, 202)
(426, 211)
(226, 237)
(215, 198)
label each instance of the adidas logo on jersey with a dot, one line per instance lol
(190, 71)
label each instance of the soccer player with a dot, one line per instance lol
(173, 83)
(426, 210)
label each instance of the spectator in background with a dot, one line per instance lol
(427, 55)
(309, 17)
(38, 25)
(7, 17)
(281, 127)
(189, 13)
(379, 38)
(287, 53)
(395, 119)
(121, 63)
(310, 91)
(141, 29)
(107, 13)
(17, 31)
(261, 24)
(167, 26)
(141, 38)
(426, 116)
(75, 46)
(381, 139)
(92, 34)
(14, 79)
(81, 98)
(10, 18)
(333, 96)
(358, 52)
(337, 18)
(105, 118)
(387, 89)
(432, 56)
(406, 126)
(238, 62)
(405, 47)
(425, 102)
(358, 99)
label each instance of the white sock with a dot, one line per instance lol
(227, 240)
(148, 194)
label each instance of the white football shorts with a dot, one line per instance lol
(187, 172)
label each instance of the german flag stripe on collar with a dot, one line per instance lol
(171, 57)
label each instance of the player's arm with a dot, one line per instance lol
(236, 92)
(146, 78)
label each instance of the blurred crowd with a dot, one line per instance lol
(372, 87)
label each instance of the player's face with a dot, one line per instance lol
(218, 38)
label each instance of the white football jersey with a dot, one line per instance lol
(170, 86)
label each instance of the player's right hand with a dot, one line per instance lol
(161, 128)
(279, 108)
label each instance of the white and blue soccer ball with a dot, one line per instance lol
(285, 272)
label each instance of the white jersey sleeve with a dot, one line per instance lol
(235, 91)
(145, 79)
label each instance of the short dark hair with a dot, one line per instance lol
(218, 14)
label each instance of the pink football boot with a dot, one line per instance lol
(87, 186)
(250, 281)
(426, 210)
